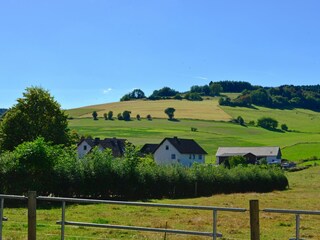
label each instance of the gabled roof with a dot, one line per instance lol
(116, 145)
(184, 146)
(240, 151)
(149, 148)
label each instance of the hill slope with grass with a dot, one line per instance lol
(212, 124)
(204, 110)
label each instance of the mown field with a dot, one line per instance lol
(303, 194)
(301, 142)
(205, 110)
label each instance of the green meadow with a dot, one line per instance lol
(302, 141)
(303, 194)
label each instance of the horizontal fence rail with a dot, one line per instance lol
(297, 214)
(254, 215)
(214, 234)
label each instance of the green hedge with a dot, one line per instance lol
(58, 171)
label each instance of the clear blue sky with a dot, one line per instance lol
(95, 51)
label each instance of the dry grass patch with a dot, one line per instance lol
(205, 110)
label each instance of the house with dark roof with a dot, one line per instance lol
(116, 145)
(179, 151)
(148, 148)
(253, 154)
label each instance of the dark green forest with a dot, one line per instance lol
(285, 96)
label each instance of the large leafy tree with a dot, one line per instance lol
(34, 115)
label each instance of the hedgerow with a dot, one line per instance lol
(58, 171)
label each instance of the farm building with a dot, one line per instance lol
(175, 150)
(253, 154)
(117, 146)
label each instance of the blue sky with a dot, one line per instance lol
(94, 51)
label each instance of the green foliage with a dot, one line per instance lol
(170, 112)
(105, 115)
(138, 117)
(32, 166)
(215, 89)
(134, 95)
(240, 120)
(237, 160)
(110, 115)
(149, 117)
(286, 96)
(126, 115)
(193, 97)
(284, 127)
(36, 114)
(177, 97)
(234, 86)
(54, 170)
(95, 115)
(268, 123)
(119, 116)
(163, 93)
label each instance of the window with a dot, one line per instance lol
(200, 156)
(167, 147)
(173, 156)
(193, 156)
(85, 147)
(189, 156)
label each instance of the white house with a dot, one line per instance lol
(179, 151)
(253, 154)
(117, 146)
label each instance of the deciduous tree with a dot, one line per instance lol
(35, 115)
(170, 112)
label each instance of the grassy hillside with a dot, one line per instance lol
(210, 135)
(211, 121)
(205, 110)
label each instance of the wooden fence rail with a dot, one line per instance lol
(254, 210)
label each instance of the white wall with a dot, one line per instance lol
(163, 156)
(81, 148)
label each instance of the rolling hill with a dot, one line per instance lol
(212, 122)
(203, 110)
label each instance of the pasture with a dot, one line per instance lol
(303, 194)
(212, 122)
(210, 134)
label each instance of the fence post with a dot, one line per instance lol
(254, 220)
(32, 215)
(1, 215)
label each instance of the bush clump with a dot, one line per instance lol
(52, 169)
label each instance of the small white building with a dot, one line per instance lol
(253, 154)
(117, 146)
(179, 151)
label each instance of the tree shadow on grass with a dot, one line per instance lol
(174, 120)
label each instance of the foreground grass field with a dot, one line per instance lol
(303, 194)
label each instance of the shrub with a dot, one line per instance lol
(284, 127)
(267, 122)
(57, 171)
